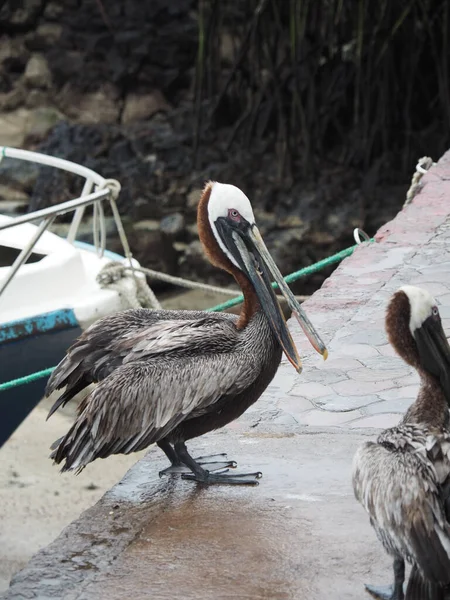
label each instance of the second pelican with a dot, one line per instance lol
(403, 480)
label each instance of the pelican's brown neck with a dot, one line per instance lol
(218, 258)
(397, 328)
(430, 407)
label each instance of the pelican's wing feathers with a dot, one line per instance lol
(100, 349)
(169, 372)
(398, 485)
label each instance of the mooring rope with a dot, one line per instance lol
(26, 379)
(187, 283)
(423, 165)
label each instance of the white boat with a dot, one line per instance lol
(49, 292)
(59, 276)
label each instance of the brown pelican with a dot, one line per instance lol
(166, 377)
(403, 480)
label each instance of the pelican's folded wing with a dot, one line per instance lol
(398, 487)
(104, 345)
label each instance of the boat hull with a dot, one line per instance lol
(46, 306)
(26, 347)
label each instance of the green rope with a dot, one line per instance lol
(293, 276)
(26, 379)
(220, 307)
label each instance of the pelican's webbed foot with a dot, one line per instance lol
(391, 592)
(200, 471)
(209, 463)
(224, 478)
(384, 592)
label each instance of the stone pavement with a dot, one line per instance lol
(300, 533)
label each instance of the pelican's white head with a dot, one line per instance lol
(422, 306)
(229, 202)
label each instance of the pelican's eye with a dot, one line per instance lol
(234, 215)
(435, 312)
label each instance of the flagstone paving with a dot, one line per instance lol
(364, 383)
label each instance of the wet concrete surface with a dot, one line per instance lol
(300, 533)
(36, 502)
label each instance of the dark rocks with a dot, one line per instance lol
(139, 107)
(20, 175)
(153, 250)
(40, 123)
(37, 74)
(43, 37)
(145, 160)
(173, 225)
(53, 10)
(13, 126)
(24, 126)
(148, 46)
(13, 54)
(12, 99)
(100, 106)
(20, 16)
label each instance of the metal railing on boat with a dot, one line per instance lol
(95, 189)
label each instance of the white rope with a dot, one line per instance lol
(423, 165)
(195, 285)
(114, 276)
(99, 223)
(357, 233)
(134, 290)
(142, 292)
(187, 283)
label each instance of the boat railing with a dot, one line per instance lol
(95, 189)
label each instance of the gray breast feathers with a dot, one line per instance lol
(397, 482)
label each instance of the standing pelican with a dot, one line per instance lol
(403, 480)
(170, 376)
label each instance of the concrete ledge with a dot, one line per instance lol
(152, 538)
(300, 533)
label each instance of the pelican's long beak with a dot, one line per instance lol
(434, 351)
(261, 269)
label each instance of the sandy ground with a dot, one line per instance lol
(36, 500)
